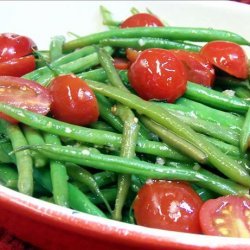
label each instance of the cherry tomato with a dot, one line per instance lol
(73, 101)
(158, 74)
(121, 63)
(14, 46)
(132, 54)
(199, 69)
(24, 93)
(169, 205)
(226, 216)
(18, 66)
(141, 20)
(227, 56)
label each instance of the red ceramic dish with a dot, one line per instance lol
(52, 227)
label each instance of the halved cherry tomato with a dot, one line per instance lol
(73, 101)
(15, 46)
(121, 63)
(24, 93)
(158, 74)
(227, 56)
(18, 66)
(226, 216)
(169, 205)
(132, 54)
(141, 20)
(199, 69)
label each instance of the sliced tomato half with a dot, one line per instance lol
(226, 216)
(23, 93)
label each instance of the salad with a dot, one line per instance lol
(144, 123)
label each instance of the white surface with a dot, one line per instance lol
(43, 19)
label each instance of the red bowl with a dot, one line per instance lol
(53, 227)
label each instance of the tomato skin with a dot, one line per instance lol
(132, 54)
(15, 46)
(121, 63)
(199, 69)
(141, 20)
(23, 93)
(18, 66)
(226, 216)
(73, 101)
(158, 74)
(227, 56)
(169, 205)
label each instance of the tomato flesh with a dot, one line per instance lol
(227, 56)
(15, 46)
(73, 101)
(169, 205)
(23, 93)
(141, 20)
(158, 74)
(121, 63)
(199, 69)
(226, 216)
(18, 66)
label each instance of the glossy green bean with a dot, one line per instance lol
(34, 137)
(242, 92)
(59, 177)
(108, 193)
(216, 99)
(55, 48)
(147, 42)
(222, 162)
(5, 150)
(79, 201)
(8, 176)
(86, 178)
(172, 33)
(34, 75)
(89, 135)
(245, 133)
(134, 166)
(23, 159)
(172, 139)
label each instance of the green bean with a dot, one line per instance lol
(83, 176)
(55, 49)
(8, 176)
(224, 147)
(79, 201)
(105, 109)
(34, 137)
(89, 135)
(100, 125)
(172, 33)
(129, 138)
(205, 194)
(147, 42)
(134, 11)
(222, 162)
(211, 114)
(107, 18)
(216, 99)
(245, 133)
(170, 138)
(134, 166)
(59, 177)
(230, 82)
(96, 75)
(108, 193)
(76, 66)
(5, 149)
(210, 128)
(34, 75)
(242, 92)
(23, 159)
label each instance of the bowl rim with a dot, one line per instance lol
(79, 222)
